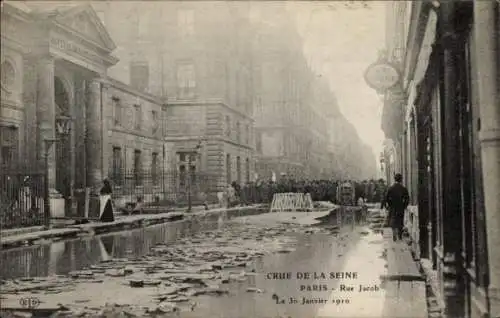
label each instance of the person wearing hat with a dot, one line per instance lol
(396, 200)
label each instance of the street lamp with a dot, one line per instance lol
(63, 128)
(191, 154)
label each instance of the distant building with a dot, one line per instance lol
(196, 57)
(290, 133)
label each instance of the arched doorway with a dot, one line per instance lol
(63, 157)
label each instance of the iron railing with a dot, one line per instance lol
(21, 198)
(154, 187)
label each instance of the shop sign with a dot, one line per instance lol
(382, 76)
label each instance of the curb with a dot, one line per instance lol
(127, 223)
(435, 306)
(25, 239)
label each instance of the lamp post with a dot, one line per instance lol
(63, 128)
(192, 154)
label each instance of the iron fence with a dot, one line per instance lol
(21, 199)
(164, 187)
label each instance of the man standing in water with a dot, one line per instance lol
(396, 200)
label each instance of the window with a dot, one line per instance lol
(228, 169)
(139, 75)
(238, 169)
(247, 134)
(184, 160)
(117, 111)
(117, 166)
(238, 132)
(154, 168)
(228, 126)
(186, 80)
(137, 168)
(192, 173)
(185, 21)
(182, 175)
(137, 117)
(9, 146)
(154, 116)
(258, 142)
(247, 169)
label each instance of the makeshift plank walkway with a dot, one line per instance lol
(403, 282)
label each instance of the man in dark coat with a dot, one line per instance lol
(396, 200)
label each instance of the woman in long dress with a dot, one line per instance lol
(106, 214)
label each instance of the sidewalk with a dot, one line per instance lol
(393, 286)
(122, 222)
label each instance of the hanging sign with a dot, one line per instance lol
(382, 76)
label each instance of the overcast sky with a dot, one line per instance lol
(340, 43)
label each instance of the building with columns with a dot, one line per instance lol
(443, 123)
(54, 63)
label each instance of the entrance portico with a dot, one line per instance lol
(72, 58)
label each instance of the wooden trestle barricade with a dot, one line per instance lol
(292, 202)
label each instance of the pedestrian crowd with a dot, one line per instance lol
(262, 191)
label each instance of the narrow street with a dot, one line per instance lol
(253, 266)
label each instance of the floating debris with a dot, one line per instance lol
(254, 290)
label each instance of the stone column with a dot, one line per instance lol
(487, 52)
(46, 111)
(107, 118)
(450, 260)
(413, 164)
(93, 142)
(79, 130)
(29, 99)
(72, 209)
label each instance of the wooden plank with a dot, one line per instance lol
(405, 300)
(399, 258)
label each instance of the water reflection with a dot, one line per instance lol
(62, 257)
(314, 253)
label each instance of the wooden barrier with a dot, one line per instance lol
(292, 202)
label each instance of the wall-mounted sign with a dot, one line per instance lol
(382, 76)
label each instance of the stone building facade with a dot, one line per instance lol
(444, 136)
(54, 63)
(223, 133)
(195, 57)
(135, 155)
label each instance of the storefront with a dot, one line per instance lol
(450, 130)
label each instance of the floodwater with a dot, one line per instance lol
(274, 284)
(315, 254)
(62, 257)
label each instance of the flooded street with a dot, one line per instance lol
(244, 267)
(59, 258)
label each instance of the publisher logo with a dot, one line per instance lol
(29, 302)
